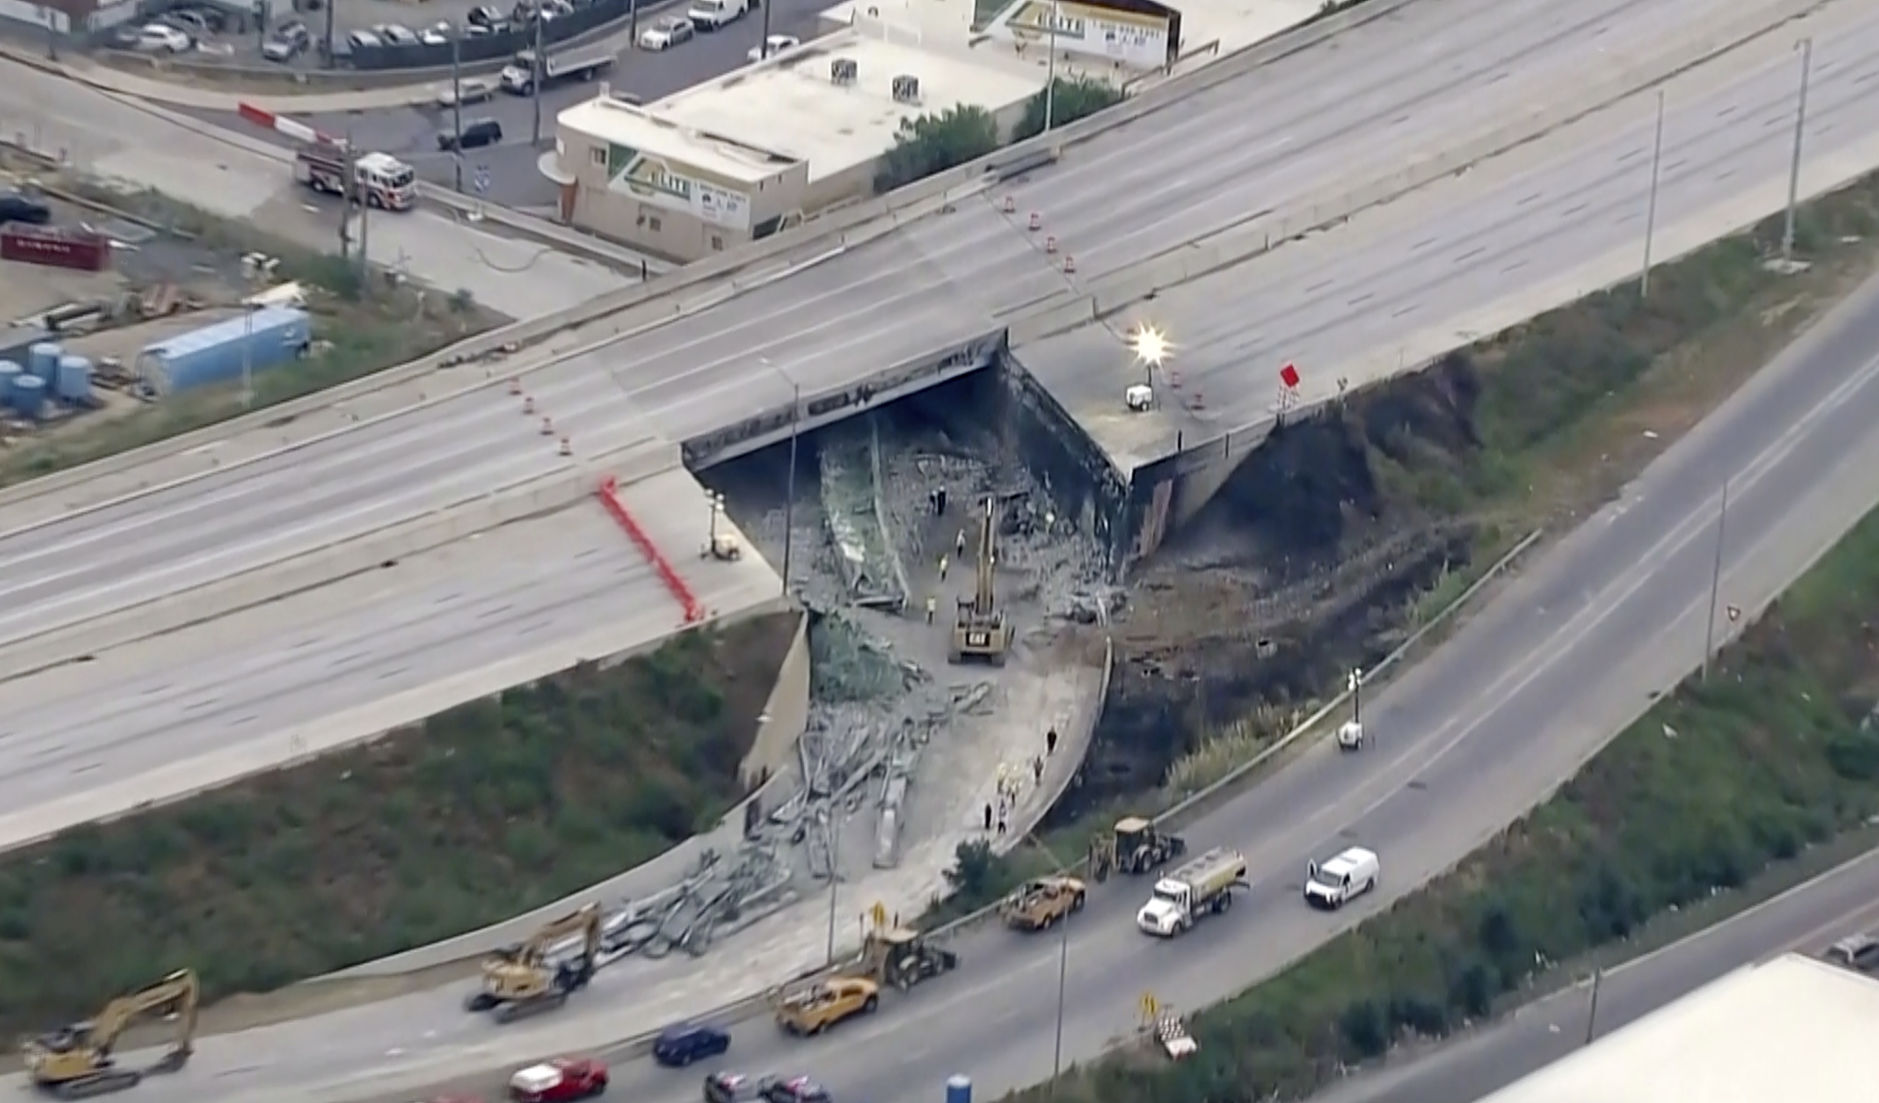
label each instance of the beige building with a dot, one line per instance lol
(746, 154)
(628, 174)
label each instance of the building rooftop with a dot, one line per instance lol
(1791, 1029)
(799, 111)
(721, 150)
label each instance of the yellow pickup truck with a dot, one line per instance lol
(812, 1010)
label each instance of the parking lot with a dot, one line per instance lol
(411, 134)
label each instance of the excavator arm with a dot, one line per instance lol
(519, 978)
(76, 1061)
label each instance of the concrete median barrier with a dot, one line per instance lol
(268, 582)
(1054, 318)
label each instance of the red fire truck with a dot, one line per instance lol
(379, 179)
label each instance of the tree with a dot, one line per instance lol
(1071, 99)
(935, 143)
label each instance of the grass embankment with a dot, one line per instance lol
(357, 331)
(477, 815)
(1535, 427)
(1777, 752)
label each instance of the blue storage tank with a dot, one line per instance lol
(73, 386)
(29, 395)
(42, 360)
(213, 354)
(9, 375)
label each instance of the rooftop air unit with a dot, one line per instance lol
(906, 89)
(843, 71)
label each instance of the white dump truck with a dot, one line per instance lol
(1199, 887)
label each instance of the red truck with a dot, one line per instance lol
(558, 1081)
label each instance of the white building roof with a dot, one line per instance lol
(790, 104)
(1792, 1029)
(731, 155)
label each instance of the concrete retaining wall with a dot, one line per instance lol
(785, 715)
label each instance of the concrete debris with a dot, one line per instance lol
(849, 458)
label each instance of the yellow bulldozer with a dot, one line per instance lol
(525, 978)
(75, 1061)
(900, 957)
(1135, 846)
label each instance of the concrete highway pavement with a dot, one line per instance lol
(938, 280)
(1808, 918)
(347, 660)
(1558, 218)
(1568, 653)
(410, 133)
(115, 137)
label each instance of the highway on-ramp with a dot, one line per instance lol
(1569, 652)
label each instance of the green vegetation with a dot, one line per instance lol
(1777, 752)
(935, 143)
(356, 334)
(1071, 99)
(476, 815)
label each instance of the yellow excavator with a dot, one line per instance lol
(981, 630)
(75, 1062)
(521, 980)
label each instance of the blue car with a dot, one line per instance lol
(683, 1043)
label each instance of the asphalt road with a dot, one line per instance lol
(411, 133)
(1807, 919)
(116, 138)
(939, 280)
(1570, 651)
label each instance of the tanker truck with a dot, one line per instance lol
(1200, 887)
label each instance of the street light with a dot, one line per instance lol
(1715, 581)
(1151, 346)
(1050, 78)
(1806, 46)
(716, 501)
(835, 871)
(1355, 683)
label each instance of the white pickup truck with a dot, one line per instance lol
(714, 15)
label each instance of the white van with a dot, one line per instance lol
(1334, 883)
(715, 15)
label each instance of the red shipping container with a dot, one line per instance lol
(85, 250)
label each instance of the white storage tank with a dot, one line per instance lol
(42, 361)
(73, 386)
(9, 375)
(29, 395)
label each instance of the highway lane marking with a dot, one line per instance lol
(1588, 619)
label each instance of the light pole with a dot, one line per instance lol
(1355, 683)
(539, 66)
(715, 501)
(1715, 581)
(456, 106)
(1650, 211)
(835, 872)
(1063, 974)
(1050, 79)
(1794, 168)
(1591, 1015)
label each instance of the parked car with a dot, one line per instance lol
(466, 90)
(437, 34)
(680, 1044)
(666, 32)
(558, 1081)
(476, 134)
(1860, 951)
(16, 207)
(287, 42)
(364, 40)
(773, 46)
(484, 15)
(160, 38)
(393, 34)
(189, 22)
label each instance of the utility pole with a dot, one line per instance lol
(1794, 167)
(456, 104)
(789, 500)
(1650, 212)
(1063, 975)
(326, 60)
(632, 24)
(535, 85)
(345, 196)
(763, 44)
(1050, 78)
(1715, 582)
(365, 207)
